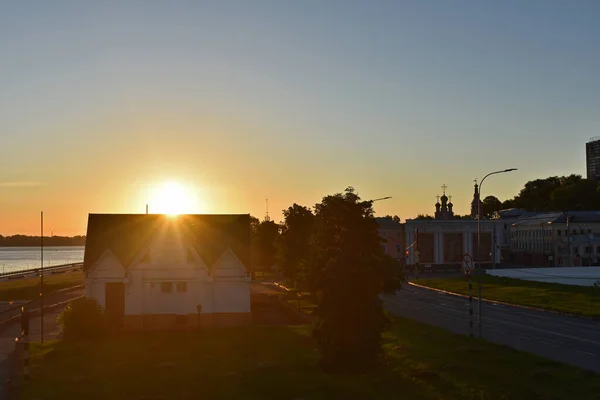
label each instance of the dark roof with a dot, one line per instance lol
(514, 213)
(126, 234)
(560, 218)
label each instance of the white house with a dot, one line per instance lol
(156, 271)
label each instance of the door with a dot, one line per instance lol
(115, 302)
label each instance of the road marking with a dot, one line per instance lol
(586, 353)
(548, 343)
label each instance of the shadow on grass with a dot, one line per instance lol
(420, 362)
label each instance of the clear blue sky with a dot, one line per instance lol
(290, 100)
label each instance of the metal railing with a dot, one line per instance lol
(30, 272)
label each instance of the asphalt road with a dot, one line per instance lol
(567, 339)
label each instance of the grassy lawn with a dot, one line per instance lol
(554, 296)
(29, 289)
(422, 362)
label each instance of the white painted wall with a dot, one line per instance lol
(225, 289)
(107, 269)
(580, 276)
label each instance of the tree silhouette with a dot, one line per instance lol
(350, 273)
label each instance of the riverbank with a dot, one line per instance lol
(29, 288)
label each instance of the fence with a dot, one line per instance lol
(28, 273)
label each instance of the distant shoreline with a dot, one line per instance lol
(35, 241)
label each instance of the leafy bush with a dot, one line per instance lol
(83, 318)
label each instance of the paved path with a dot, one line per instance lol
(567, 339)
(8, 335)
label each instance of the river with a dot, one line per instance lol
(17, 258)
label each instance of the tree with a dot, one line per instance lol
(395, 218)
(557, 193)
(506, 204)
(582, 195)
(350, 272)
(294, 245)
(265, 244)
(421, 217)
(491, 204)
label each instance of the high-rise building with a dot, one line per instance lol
(592, 158)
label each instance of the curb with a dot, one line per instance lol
(64, 290)
(507, 304)
(34, 313)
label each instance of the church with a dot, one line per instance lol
(441, 243)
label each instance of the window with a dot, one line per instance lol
(598, 249)
(575, 250)
(399, 248)
(582, 231)
(399, 234)
(181, 287)
(588, 249)
(558, 232)
(589, 231)
(574, 231)
(166, 287)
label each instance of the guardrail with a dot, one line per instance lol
(27, 273)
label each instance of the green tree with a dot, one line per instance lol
(350, 272)
(536, 195)
(490, 205)
(581, 195)
(265, 245)
(422, 217)
(395, 218)
(294, 245)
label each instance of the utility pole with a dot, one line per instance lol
(478, 255)
(417, 253)
(267, 212)
(42, 275)
(569, 240)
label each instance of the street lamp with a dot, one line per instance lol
(479, 236)
(381, 198)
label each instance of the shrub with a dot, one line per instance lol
(83, 318)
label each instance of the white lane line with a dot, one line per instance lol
(548, 343)
(587, 353)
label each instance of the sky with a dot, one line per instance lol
(101, 103)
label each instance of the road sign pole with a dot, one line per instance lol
(470, 306)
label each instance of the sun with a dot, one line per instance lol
(172, 198)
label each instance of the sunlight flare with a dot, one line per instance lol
(173, 198)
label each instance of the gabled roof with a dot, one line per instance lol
(126, 234)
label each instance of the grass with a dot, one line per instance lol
(422, 362)
(29, 289)
(554, 296)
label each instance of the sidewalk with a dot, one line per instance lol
(8, 335)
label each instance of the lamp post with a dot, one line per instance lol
(381, 198)
(479, 239)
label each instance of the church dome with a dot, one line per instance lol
(444, 198)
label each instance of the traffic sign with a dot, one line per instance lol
(468, 266)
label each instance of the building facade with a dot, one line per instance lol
(442, 243)
(592, 158)
(556, 239)
(160, 272)
(392, 234)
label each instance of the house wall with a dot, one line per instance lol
(107, 269)
(223, 290)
